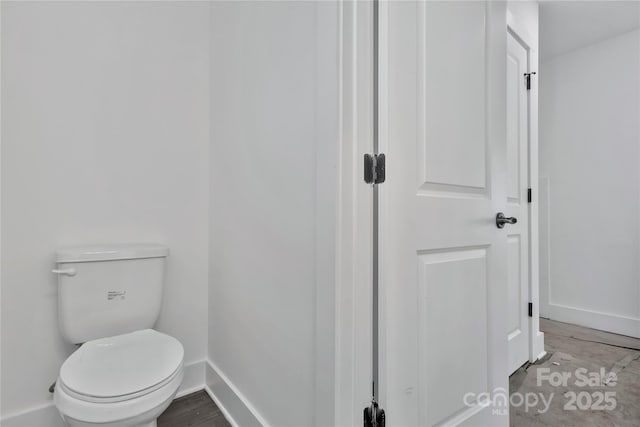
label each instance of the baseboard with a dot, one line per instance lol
(622, 325)
(44, 416)
(194, 377)
(197, 376)
(222, 408)
(47, 415)
(537, 349)
(233, 404)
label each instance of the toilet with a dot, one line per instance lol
(124, 374)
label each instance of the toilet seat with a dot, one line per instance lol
(122, 367)
(122, 381)
(135, 412)
(122, 398)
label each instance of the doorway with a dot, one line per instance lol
(518, 200)
(589, 164)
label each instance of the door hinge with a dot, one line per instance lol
(374, 168)
(530, 309)
(374, 415)
(528, 195)
(527, 79)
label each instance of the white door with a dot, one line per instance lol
(517, 204)
(443, 261)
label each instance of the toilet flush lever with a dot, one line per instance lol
(65, 271)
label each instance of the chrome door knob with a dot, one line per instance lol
(501, 220)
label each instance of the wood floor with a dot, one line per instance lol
(193, 410)
(569, 348)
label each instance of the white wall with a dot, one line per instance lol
(104, 139)
(590, 185)
(273, 164)
(569, 25)
(525, 14)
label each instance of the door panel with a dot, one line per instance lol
(443, 277)
(517, 204)
(514, 80)
(443, 260)
(454, 89)
(515, 295)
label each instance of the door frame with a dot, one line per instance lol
(353, 290)
(354, 266)
(517, 19)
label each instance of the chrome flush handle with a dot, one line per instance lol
(65, 271)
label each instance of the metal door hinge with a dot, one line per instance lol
(374, 415)
(528, 195)
(530, 309)
(374, 168)
(527, 79)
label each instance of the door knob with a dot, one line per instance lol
(501, 220)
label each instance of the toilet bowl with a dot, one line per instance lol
(124, 374)
(126, 380)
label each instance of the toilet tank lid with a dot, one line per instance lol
(111, 252)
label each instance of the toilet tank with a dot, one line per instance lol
(108, 290)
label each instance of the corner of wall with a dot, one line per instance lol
(235, 407)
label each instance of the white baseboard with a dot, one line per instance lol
(537, 350)
(220, 406)
(44, 416)
(194, 376)
(47, 415)
(622, 325)
(197, 376)
(233, 404)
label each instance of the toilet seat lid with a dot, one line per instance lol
(122, 365)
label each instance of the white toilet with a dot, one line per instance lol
(124, 374)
